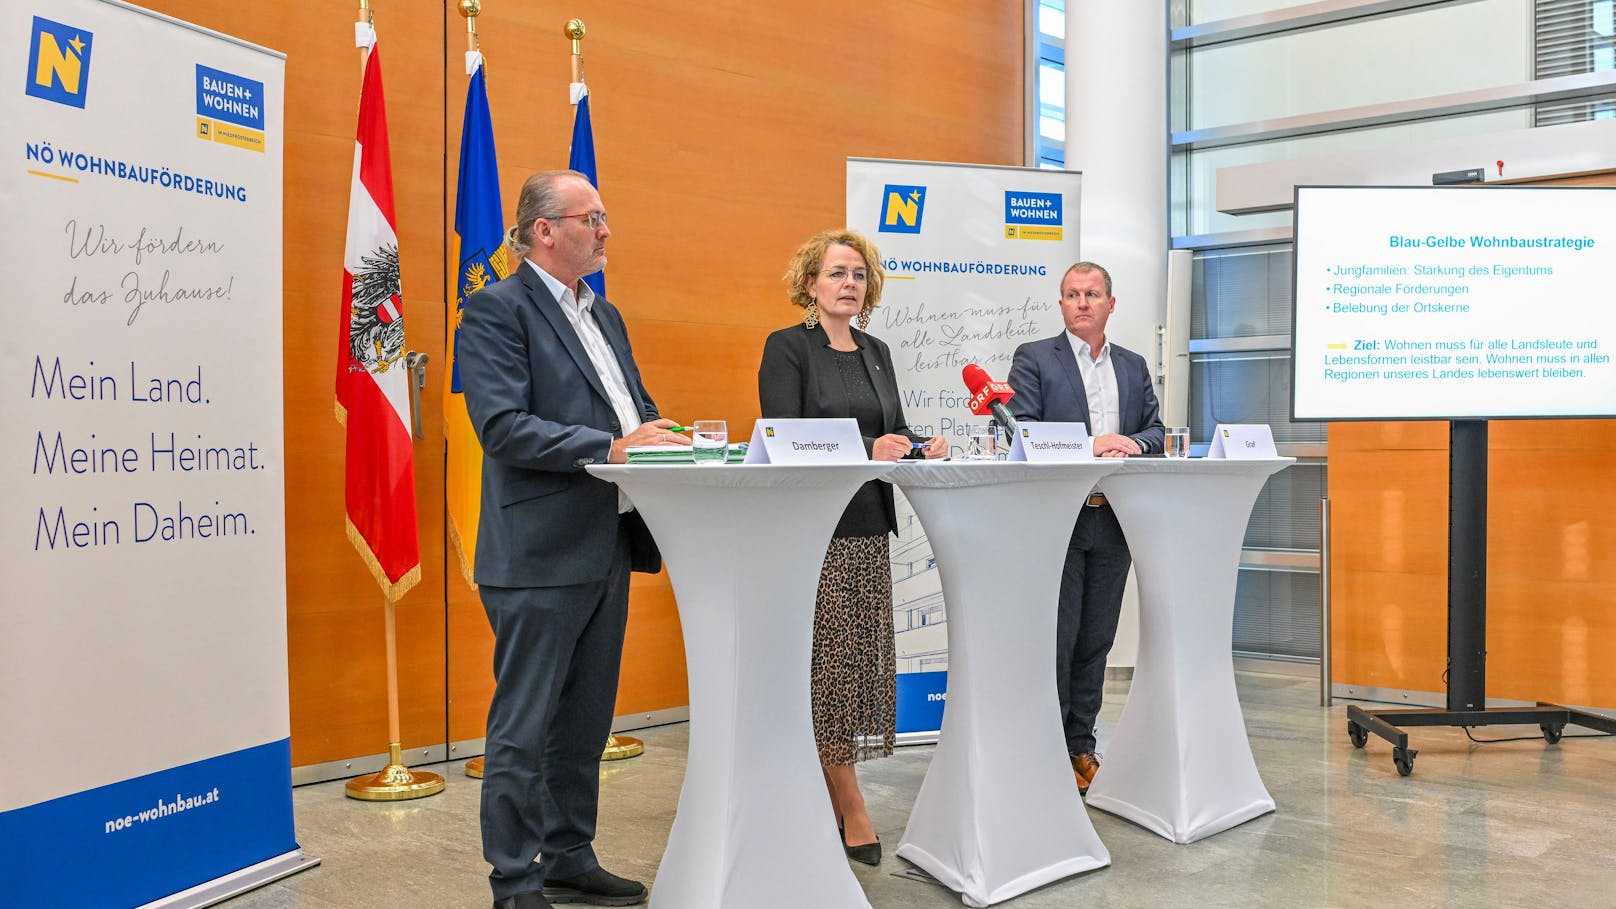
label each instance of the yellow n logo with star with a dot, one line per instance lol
(902, 208)
(59, 62)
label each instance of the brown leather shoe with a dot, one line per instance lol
(1084, 766)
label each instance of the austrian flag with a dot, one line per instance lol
(372, 383)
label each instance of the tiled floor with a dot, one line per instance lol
(1506, 825)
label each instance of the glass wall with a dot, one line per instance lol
(1572, 37)
(1049, 93)
(1283, 67)
(1240, 372)
(1428, 51)
(1240, 359)
(1431, 50)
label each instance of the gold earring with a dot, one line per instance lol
(864, 317)
(810, 318)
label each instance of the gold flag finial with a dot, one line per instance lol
(574, 30)
(471, 9)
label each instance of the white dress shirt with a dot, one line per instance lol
(580, 312)
(1100, 384)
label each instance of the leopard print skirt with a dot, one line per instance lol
(854, 682)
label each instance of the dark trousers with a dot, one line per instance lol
(556, 656)
(1096, 571)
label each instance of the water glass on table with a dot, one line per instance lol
(1177, 442)
(709, 442)
(981, 443)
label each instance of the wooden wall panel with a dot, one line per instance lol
(1551, 559)
(1551, 554)
(1393, 632)
(1388, 553)
(721, 130)
(721, 134)
(334, 610)
(653, 676)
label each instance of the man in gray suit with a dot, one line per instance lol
(1080, 377)
(551, 387)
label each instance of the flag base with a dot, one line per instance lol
(474, 768)
(395, 782)
(622, 747)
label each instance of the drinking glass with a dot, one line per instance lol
(709, 442)
(1177, 442)
(981, 443)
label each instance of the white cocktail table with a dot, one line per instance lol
(743, 546)
(1179, 763)
(998, 813)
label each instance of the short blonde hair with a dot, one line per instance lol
(806, 261)
(1082, 268)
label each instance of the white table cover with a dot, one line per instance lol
(1179, 763)
(743, 547)
(998, 813)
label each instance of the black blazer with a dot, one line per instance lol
(798, 378)
(1049, 388)
(542, 416)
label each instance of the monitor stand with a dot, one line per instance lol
(1467, 623)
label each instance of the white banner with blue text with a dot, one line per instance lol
(973, 256)
(143, 668)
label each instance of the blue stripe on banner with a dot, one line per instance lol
(129, 843)
(921, 697)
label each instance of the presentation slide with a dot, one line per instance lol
(1454, 303)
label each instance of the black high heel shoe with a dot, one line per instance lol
(868, 853)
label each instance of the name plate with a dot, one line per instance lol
(1242, 442)
(806, 442)
(1051, 443)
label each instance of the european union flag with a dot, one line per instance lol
(479, 219)
(582, 160)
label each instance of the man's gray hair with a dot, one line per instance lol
(538, 200)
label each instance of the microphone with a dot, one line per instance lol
(988, 396)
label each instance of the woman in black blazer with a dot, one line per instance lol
(824, 367)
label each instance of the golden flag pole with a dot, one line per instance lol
(367, 21)
(394, 782)
(574, 30)
(471, 9)
(618, 747)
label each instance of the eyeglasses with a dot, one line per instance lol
(595, 220)
(860, 276)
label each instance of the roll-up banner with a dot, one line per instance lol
(973, 256)
(143, 678)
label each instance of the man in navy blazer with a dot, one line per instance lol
(1080, 377)
(551, 387)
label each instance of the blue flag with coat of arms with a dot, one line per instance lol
(484, 260)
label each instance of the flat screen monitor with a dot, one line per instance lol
(1453, 303)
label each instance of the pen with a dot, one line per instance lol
(917, 446)
(681, 428)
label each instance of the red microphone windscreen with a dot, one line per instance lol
(975, 377)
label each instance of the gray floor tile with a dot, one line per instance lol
(1505, 825)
